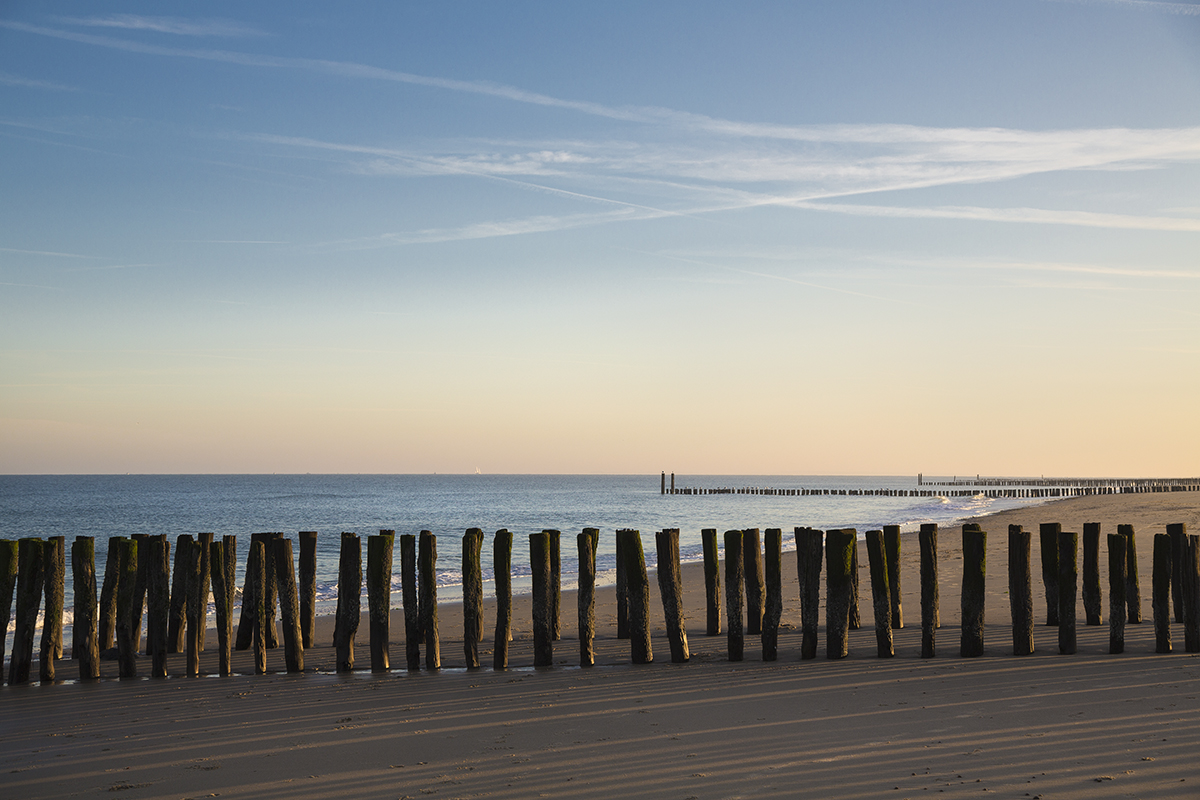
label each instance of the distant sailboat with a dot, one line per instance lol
(477, 472)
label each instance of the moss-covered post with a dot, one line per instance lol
(670, 589)
(555, 538)
(289, 603)
(256, 572)
(177, 613)
(891, 546)
(412, 606)
(307, 569)
(195, 612)
(349, 602)
(1178, 534)
(773, 603)
(139, 594)
(9, 559)
(223, 606)
(31, 555)
(54, 583)
(379, 597)
(1190, 582)
(502, 569)
(84, 644)
(539, 563)
(427, 570)
(472, 578)
(839, 586)
(127, 561)
(1020, 588)
(855, 614)
(158, 601)
(250, 601)
(1161, 593)
(622, 593)
(973, 592)
(1133, 591)
(1068, 588)
(1092, 597)
(587, 597)
(106, 633)
(712, 581)
(271, 590)
(1117, 582)
(205, 541)
(1048, 542)
(752, 561)
(881, 595)
(735, 580)
(640, 650)
(810, 546)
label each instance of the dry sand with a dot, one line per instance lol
(1051, 726)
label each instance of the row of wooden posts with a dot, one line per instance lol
(137, 570)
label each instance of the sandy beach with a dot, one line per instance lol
(1045, 725)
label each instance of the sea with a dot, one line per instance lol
(104, 506)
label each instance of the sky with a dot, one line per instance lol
(874, 237)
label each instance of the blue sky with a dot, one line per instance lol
(870, 237)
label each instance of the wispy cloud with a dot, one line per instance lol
(180, 26)
(1185, 9)
(1039, 216)
(46, 253)
(8, 79)
(488, 230)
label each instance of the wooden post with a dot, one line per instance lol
(1161, 595)
(177, 613)
(1048, 541)
(1068, 587)
(839, 586)
(472, 578)
(223, 603)
(539, 562)
(1020, 589)
(379, 597)
(502, 568)
(752, 561)
(810, 545)
(427, 570)
(712, 581)
(107, 631)
(670, 588)
(973, 592)
(881, 595)
(622, 593)
(891, 545)
(735, 581)
(205, 541)
(84, 644)
(308, 587)
(1178, 534)
(587, 596)
(412, 607)
(256, 576)
(9, 559)
(349, 603)
(54, 584)
(1190, 583)
(1133, 592)
(1117, 582)
(139, 593)
(127, 561)
(855, 615)
(555, 584)
(158, 601)
(773, 606)
(195, 614)
(31, 554)
(639, 597)
(1092, 598)
(270, 590)
(289, 604)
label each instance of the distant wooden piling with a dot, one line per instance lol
(839, 586)
(881, 595)
(427, 572)
(974, 543)
(891, 546)
(735, 582)
(195, 613)
(622, 592)
(472, 583)
(84, 644)
(349, 600)
(752, 561)
(855, 615)
(1048, 541)
(810, 545)
(223, 605)
(1133, 592)
(54, 586)
(106, 633)
(379, 597)
(638, 584)
(773, 585)
(307, 569)
(177, 612)
(1068, 589)
(205, 541)
(1020, 589)
(9, 559)
(1117, 581)
(31, 554)
(127, 561)
(502, 569)
(158, 602)
(1161, 593)
(1190, 583)
(931, 618)
(555, 539)
(289, 604)
(585, 543)
(670, 589)
(1092, 597)
(412, 606)
(539, 563)
(1178, 533)
(256, 569)
(712, 581)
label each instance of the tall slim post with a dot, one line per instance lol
(107, 630)
(891, 544)
(881, 595)
(307, 569)
(195, 614)
(427, 566)
(639, 597)
(1133, 592)
(1178, 534)
(349, 601)
(839, 586)
(412, 608)
(31, 554)
(1092, 598)
(930, 602)
(1048, 540)
(622, 592)
(472, 578)
(256, 576)
(973, 592)
(177, 613)
(84, 644)
(670, 588)
(712, 581)
(223, 605)
(250, 600)
(1190, 583)
(158, 602)
(810, 545)
(753, 565)
(139, 596)
(587, 596)
(735, 580)
(205, 541)
(54, 581)
(127, 561)
(543, 635)
(1068, 585)
(555, 538)
(379, 597)
(289, 604)
(1020, 589)
(1117, 582)
(855, 614)
(9, 558)
(502, 568)
(1161, 599)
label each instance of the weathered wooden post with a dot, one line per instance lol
(223, 605)
(881, 595)
(1178, 533)
(412, 606)
(289, 604)
(1068, 587)
(773, 606)
(177, 613)
(1133, 592)
(84, 645)
(472, 578)
(31, 554)
(839, 586)
(139, 593)
(1161, 593)
(539, 563)
(379, 597)
(349, 602)
(712, 581)
(205, 541)
(1190, 582)
(622, 592)
(670, 588)
(735, 584)
(1092, 598)
(555, 583)
(158, 601)
(195, 614)
(502, 568)
(107, 631)
(752, 561)
(427, 567)
(810, 545)
(229, 553)
(8, 580)
(973, 593)
(127, 566)
(639, 597)
(891, 546)
(1020, 589)
(1048, 540)
(54, 583)
(855, 615)
(307, 569)
(1117, 582)
(270, 590)
(257, 577)
(250, 600)
(587, 597)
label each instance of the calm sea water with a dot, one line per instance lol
(118, 505)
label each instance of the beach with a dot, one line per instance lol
(1045, 725)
